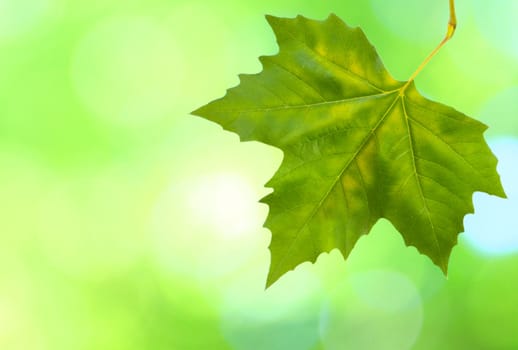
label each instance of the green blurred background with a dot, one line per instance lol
(126, 224)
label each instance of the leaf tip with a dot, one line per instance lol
(333, 17)
(442, 261)
(266, 198)
(444, 267)
(272, 20)
(198, 111)
(500, 191)
(271, 278)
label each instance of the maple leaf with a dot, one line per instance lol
(358, 146)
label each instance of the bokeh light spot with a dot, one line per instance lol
(208, 225)
(376, 309)
(491, 230)
(496, 17)
(288, 312)
(129, 71)
(225, 202)
(20, 16)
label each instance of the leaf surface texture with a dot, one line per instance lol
(358, 146)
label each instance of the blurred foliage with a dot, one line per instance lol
(127, 224)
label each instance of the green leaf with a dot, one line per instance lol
(358, 146)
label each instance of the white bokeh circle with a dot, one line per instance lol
(207, 226)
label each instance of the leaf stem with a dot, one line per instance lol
(452, 25)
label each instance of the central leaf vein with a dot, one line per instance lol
(418, 181)
(337, 178)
